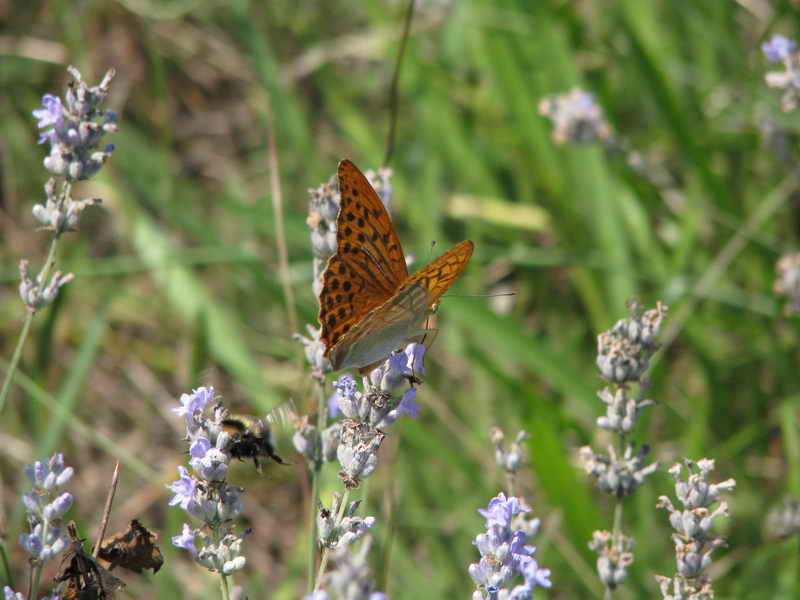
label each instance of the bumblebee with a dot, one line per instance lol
(250, 438)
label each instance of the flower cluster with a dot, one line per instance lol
(38, 293)
(388, 392)
(623, 355)
(76, 127)
(624, 352)
(349, 528)
(60, 212)
(784, 521)
(512, 459)
(614, 556)
(204, 493)
(692, 524)
(780, 49)
(349, 579)
(576, 117)
(504, 553)
(617, 475)
(44, 508)
(788, 281)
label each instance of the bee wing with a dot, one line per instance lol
(283, 416)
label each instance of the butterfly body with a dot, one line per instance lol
(369, 304)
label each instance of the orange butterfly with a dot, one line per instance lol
(369, 305)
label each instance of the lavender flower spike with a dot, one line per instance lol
(504, 553)
(76, 127)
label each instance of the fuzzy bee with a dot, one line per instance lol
(250, 438)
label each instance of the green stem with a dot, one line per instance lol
(223, 585)
(26, 327)
(7, 575)
(323, 563)
(322, 419)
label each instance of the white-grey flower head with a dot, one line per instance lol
(614, 556)
(60, 212)
(622, 411)
(623, 353)
(619, 476)
(314, 349)
(576, 117)
(784, 520)
(359, 461)
(512, 459)
(36, 294)
(223, 556)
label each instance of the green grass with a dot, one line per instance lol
(177, 272)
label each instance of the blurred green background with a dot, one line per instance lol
(177, 281)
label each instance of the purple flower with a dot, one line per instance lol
(58, 507)
(199, 447)
(10, 594)
(778, 48)
(194, 402)
(186, 539)
(51, 114)
(345, 392)
(212, 466)
(184, 489)
(407, 405)
(416, 354)
(501, 509)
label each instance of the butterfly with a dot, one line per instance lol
(369, 305)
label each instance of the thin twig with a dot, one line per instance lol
(107, 510)
(277, 209)
(394, 102)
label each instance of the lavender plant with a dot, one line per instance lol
(386, 393)
(692, 523)
(204, 492)
(624, 355)
(505, 554)
(74, 129)
(367, 415)
(44, 507)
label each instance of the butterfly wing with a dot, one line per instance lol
(438, 276)
(368, 266)
(401, 318)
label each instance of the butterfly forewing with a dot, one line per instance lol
(369, 264)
